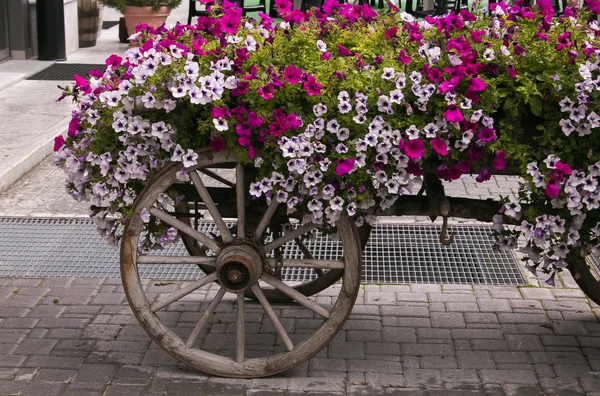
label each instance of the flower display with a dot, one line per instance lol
(342, 109)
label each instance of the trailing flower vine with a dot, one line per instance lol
(342, 109)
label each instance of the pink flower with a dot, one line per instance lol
(292, 74)
(563, 41)
(564, 168)
(344, 166)
(254, 121)
(312, 86)
(594, 5)
(74, 126)
(251, 152)
(218, 112)
(552, 188)
(80, 82)
(59, 141)
(439, 146)
(545, 7)
(283, 6)
(403, 58)
(231, 20)
(512, 73)
(487, 135)
(343, 51)
(114, 60)
(415, 148)
(499, 162)
(266, 91)
(217, 144)
(476, 84)
(391, 32)
(325, 55)
(453, 114)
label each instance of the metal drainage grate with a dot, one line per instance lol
(65, 71)
(395, 254)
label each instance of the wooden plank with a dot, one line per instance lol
(210, 205)
(271, 314)
(181, 226)
(240, 329)
(303, 229)
(240, 192)
(202, 260)
(204, 318)
(266, 219)
(299, 297)
(304, 263)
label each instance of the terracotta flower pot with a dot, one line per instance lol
(136, 15)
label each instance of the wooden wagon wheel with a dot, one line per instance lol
(587, 276)
(240, 264)
(323, 279)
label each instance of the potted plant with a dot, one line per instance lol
(151, 12)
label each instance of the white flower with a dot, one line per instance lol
(567, 126)
(220, 124)
(319, 109)
(384, 105)
(388, 73)
(321, 46)
(578, 113)
(512, 209)
(148, 100)
(489, 54)
(314, 205)
(250, 43)
(336, 203)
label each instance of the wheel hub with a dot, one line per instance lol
(239, 266)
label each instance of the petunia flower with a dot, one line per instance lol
(439, 146)
(499, 162)
(59, 141)
(344, 166)
(217, 144)
(453, 114)
(343, 51)
(414, 148)
(312, 86)
(292, 74)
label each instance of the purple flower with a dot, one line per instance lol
(499, 162)
(439, 146)
(74, 126)
(453, 114)
(59, 141)
(312, 86)
(476, 84)
(217, 144)
(343, 51)
(415, 148)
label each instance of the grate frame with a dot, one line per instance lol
(65, 71)
(395, 254)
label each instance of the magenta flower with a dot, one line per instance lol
(59, 141)
(325, 55)
(231, 20)
(74, 126)
(499, 162)
(414, 148)
(283, 6)
(564, 168)
(512, 72)
(563, 41)
(292, 74)
(439, 146)
(484, 175)
(266, 91)
(476, 84)
(312, 86)
(343, 51)
(487, 135)
(545, 7)
(594, 5)
(254, 121)
(114, 60)
(391, 32)
(218, 112)
(453, 114)
(80, 82)
(344, 166)
(217, 144)
(552, 188)
(403, 58)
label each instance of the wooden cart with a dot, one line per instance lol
(243, 262)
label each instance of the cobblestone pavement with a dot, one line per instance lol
(66, 336)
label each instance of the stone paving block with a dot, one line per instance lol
(510, 293)
(317, 384)
(561, 386)
(447, 320)
(404, 392)
(422, 377)
(475, 359)
(404, 311)
(101, 331)
(95, 373)
(358, 335)
(413, 322)
(46, 311)
(418, 297)
(558, 357)
(19, 323)
(35, 347)
(590, 385)
(551, 340)
(423, 288)
(523, 318)
(323, 364)
(573, 370)
(508, 376)
(438, 362)
(489, 345)
(563, 327)
(398, 334)
(347, 350)
(536, 293)
(374, 366)
(55, 362)
(380, 298)
(124, 390)
(434, 333)
(476, 334)
(379, 380)
(459, 376)
(452, 297)
(363, 390)
(56, 375)
(382, 348)
(42, 388)
(494, 305)
(512, 357)
(63, 323)
(483, 318)
(462, 307)
(427, 349)
(525, 342)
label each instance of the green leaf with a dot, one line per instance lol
(536, 106)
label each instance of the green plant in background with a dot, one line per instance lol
(155, 4)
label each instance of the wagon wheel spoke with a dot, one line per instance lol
(210, 205)
(240, 329)
(303, 229)
(178, 295)
(273, 317)
(185, 228)
(205, 318)
(304, 263)
(184, 260)
(217, 177)
(308, 254)
(266, 219)
(299, 297)
(240, 191)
